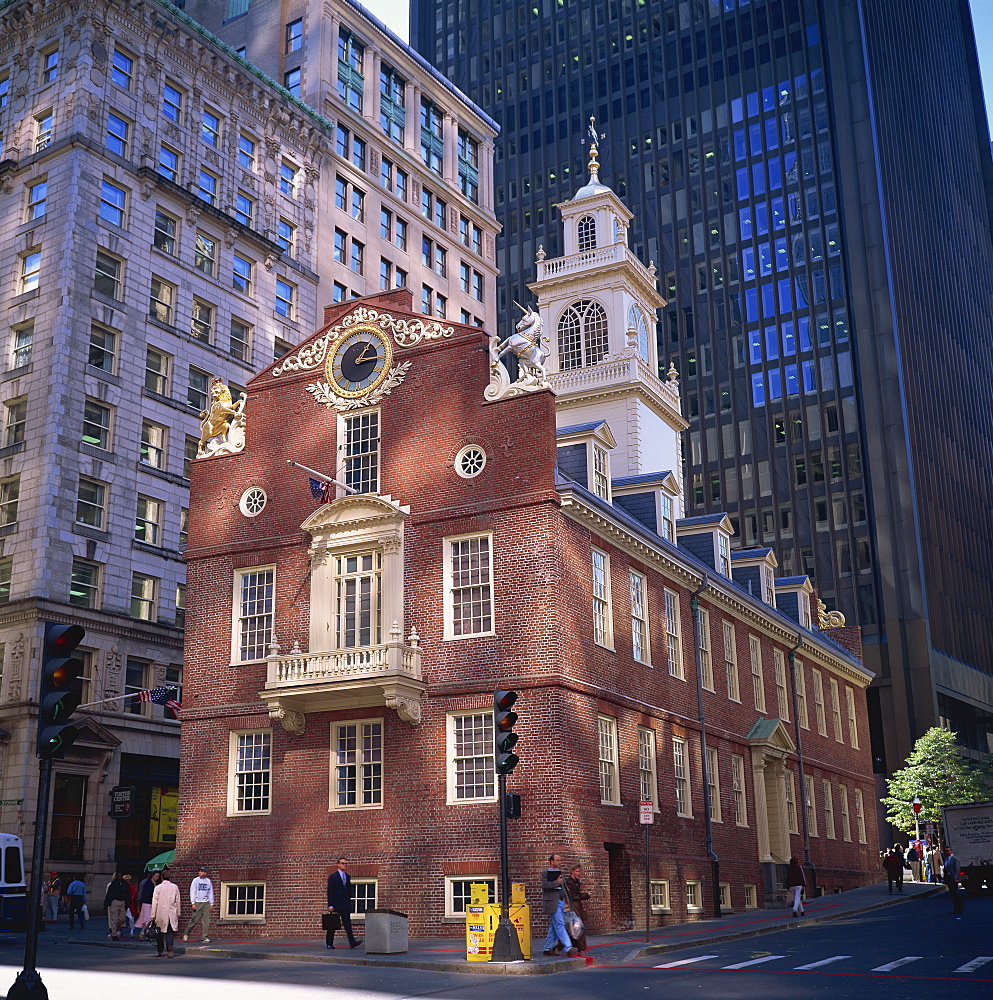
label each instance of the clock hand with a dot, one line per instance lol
(363, 359)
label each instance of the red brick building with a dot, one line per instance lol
(342, 656)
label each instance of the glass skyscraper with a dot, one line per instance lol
(813, 181)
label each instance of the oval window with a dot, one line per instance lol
(253, 501)
(470, 461)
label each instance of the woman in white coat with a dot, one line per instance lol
(165, 913)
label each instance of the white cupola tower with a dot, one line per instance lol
(599, 304)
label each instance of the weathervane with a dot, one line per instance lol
(594, 139)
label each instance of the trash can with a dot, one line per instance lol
(385, 932)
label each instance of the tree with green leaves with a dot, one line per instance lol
(941, 775)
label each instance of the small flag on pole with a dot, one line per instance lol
(161, 696)
(321, 491)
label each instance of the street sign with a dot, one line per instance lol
(646, 812)
(122, 801)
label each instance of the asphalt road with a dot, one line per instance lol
(916, 947)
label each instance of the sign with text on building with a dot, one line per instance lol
(646, 812)
(122, 801)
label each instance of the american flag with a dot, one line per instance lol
(161, 696)
(321, 491)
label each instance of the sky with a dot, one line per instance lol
(394, 14)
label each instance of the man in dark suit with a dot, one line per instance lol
(340, 902)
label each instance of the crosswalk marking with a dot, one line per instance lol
(974, 964)
(685, 961)
(890, 966)
(754, 961)
(823, 961)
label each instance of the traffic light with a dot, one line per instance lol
(61, 689)
(504, 721)
(512, 805)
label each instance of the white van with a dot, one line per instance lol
(13, 890)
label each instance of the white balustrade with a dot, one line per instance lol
(360, 663)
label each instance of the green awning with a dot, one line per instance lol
(161, 861)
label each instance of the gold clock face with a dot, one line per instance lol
(359, 360)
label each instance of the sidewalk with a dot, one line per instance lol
(605, 949)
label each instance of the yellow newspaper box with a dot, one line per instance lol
(482, 918)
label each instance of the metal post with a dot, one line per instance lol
(28, 985)
(648, 885)
(506, 944)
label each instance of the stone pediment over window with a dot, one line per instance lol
(355, 518)
(771, 733)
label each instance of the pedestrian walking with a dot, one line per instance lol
(53, 896)
(574, 897)
(950, 875)
(557, 942)
(145, 891)
(165, 914)
(76, 894)
(340, 902)
(893, 866)
(201, 899)
(937, 861)
(914, 863)
(133, 909)
(115, 902)
(795, 882)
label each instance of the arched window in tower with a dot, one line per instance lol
(638, 331)
(582, 335)
(587, 233)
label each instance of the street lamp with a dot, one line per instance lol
(916, 804)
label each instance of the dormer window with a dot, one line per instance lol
(582, 335)
(724, 554)
(601, 474)
(668, 525)
(584, 456)
(587, 233)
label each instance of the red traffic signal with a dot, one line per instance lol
(61, 689)
(505, 738)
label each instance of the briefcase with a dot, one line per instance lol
(330, 922)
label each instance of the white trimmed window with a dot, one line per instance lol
(471, 768)
(846, 821)
(828, 809)
(602, 625)
(706, 661)
(789, 780)
(250, 772)
(364, 894)
(758, 680)
(254, 607)
(725, 888)
(751, 897)
(860, 815)
(358, 599)
(819, 702)
(839, 734)
(681, 774)
(458, 892)
(610, 786)
(660, 895)
(694, 898)
(639, 618)
(731, 662)
(468, 586)
(853, 727)
(800, 678)
(601, 473)
(782, 692)
(357, 748)
(359, 450)
(647, 776)
(808, 789)
(714, 785)
(668, 520)
(243, 902)
(672, 635)
(738, 784)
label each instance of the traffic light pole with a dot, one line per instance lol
(506, 944)
(28, 985)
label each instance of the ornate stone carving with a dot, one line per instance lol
(527, 345)
(409, 709)
(222, 426)
(828, 619)
(292, 722)
(112, 675)
(326, 396)
(15, 675)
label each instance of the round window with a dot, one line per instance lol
(253, 501)
(470, 461)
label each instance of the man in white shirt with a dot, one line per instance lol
(201, 899)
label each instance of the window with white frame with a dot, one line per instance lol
(639, 617)
(469, 586)
(789, 780)
(672, 635)
(250, 772)
(668, 517)
(647, 777)
(839, 734)
(725, 890)
(358, 599)
(714, 785)
(853, 727)
(254, 607)
(359, 450)
(724, 553)
(694, 898)
(738, 786)
(706, 661)
(828, 809)
(782, 695)
(758, 680)
(458, 892)
(846, 822)
(751, 897)
(610, 786)
(243, 902)
(731, 662)
(364, 893)
(819, 702)
(471, 773)
(800, 679)
(602, 624)
(358, 764)
(601, 472)
(10, 491)
(681, 773)
(810, 804)
(660, 895)
(859, 815)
